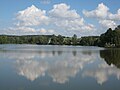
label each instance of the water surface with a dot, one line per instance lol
(36, 67)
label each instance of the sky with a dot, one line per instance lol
(65, 17)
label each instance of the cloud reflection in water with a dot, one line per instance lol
(62, 65)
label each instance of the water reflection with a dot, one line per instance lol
(105, 70)
(63, 64)
(59, 69)
(111, 56)
(102, 73)
(59, 65)
(31, 69)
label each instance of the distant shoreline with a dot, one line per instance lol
(109, 39)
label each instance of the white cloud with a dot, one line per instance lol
(108, 23)
(63, 11)
(31, 16)
(51, 31)
(27, 31)
(61, 19)
(88, 27)
(100, 12)
(115, 17)
(104, 17)
(65, 18)
(43, 30)
(35, 21)
(20, 30)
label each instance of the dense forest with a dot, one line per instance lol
(111, 38)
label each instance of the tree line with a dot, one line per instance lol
(48, 40)
(111, 38)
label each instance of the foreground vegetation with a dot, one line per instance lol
(111, 38)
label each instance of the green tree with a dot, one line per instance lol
(60, 39)
(111, 38)
(74, 39)
(53, 40)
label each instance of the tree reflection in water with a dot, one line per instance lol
(111, 56)
(64, 63)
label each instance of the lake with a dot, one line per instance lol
(37, 67)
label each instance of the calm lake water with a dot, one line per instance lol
(36, 67)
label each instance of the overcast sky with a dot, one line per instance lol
(65, 17)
